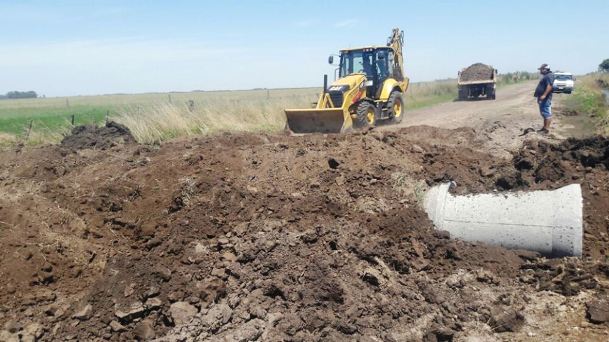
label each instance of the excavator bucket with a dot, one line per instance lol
(328, 120)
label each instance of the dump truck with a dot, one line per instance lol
(477, 81)
(370, 88)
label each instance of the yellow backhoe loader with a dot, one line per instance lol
(369, 88)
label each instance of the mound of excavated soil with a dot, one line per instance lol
(91, 136)
(477, 72)
(244, 237)
(540, 165)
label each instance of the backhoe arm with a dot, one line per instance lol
(396, 41)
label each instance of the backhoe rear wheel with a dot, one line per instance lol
(395, 106)
(366, 115)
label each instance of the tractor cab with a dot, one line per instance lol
(376, 63)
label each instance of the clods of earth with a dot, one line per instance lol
(242, 237)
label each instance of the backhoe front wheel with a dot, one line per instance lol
(395, 105)
(365, 115)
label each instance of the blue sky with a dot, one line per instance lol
(93, 47)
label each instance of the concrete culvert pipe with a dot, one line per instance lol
(548, 222)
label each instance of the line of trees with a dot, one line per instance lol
(20, 95)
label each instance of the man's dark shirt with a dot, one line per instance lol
(547, 79)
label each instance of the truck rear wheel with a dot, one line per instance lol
(395, 106)
(462, 94)
(365, 115)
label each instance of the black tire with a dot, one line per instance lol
(491, 92)
(461, 96)
(396, 102)
(364, 112)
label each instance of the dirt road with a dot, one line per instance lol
(514, 105)
(498, 125)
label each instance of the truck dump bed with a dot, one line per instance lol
(477, 73)
(477, 81)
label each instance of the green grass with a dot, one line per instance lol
(588, 99)
(429, 101)
(424, 94)
(16, 121)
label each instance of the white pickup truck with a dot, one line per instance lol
(563, 82)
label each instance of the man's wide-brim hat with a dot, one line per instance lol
(544, 66)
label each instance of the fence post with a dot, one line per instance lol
(107, 115)
(72, 120)
(67, 102)
(29, 130)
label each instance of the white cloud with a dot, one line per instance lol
(346, 23)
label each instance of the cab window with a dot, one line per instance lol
(383, 64)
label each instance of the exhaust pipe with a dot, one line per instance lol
(548, 222)
(325, 85)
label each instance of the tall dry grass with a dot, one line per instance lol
(37, 136)
(7, 139)
(156, 122)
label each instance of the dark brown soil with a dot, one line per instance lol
(541, 165)
(477, 72)
(91, 136)
(255, 237)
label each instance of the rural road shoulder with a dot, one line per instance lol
(513, 103)
(498, 124)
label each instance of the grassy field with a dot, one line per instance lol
(590, 98)
(157, 117)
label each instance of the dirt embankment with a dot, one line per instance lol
(243, 237)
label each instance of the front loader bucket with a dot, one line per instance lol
(328, 120)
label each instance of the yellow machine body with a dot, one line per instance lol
(391, 85)
(337, 108)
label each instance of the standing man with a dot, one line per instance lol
(543, 93)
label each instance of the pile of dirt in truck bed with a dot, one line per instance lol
(91, 136)
(477, 72)
(255, 237)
